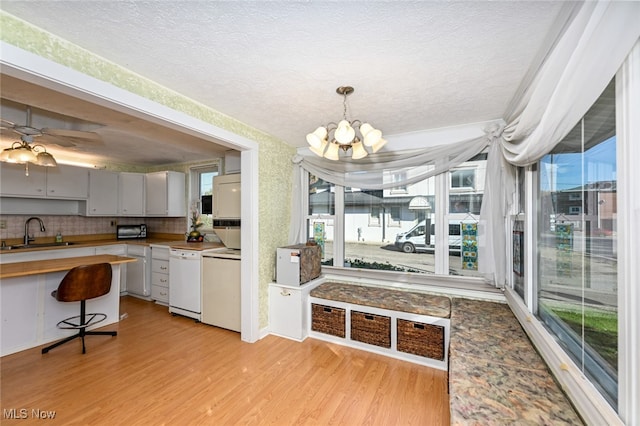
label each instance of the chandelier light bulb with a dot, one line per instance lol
(375, 148)
(332, 152)
(344, 134)
(358, 151)
(316, 138)
(319, 151)
(370, 135)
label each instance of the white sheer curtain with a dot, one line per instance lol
(584, 58)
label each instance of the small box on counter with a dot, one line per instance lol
(298, 264)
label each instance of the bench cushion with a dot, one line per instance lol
(495, 374)
(385, 298)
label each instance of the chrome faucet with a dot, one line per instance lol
(27, 238)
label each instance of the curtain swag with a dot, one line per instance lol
(594, 40)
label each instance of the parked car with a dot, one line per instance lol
(417, 239)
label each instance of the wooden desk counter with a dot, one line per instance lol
(36, 267)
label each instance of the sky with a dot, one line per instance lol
(599, 165)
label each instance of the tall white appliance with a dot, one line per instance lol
(185, 268)
(221, 289)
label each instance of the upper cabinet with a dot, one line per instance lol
(226, 197)
(65, 182)
(14, 182)
(165, 194)
(68, 182)
(131, 189)
(231, 162)
(103, 193)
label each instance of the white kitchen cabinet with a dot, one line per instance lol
(62, 182)
(231, 162)
(68, 182)
(14, 182)
(226, 197)
(160, 274)
(138, 273)
(131, 193)
(289, 309)
(103, 193)
(165, 194)
(117, 250)
(19, 314)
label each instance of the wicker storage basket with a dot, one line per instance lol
(421, 339)
(328, 320)
(371, 329)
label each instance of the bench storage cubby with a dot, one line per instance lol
(328, 320)
(421, 339)
(370, 328)
(399, 323)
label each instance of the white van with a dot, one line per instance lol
(417, 239)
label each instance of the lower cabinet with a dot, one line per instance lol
(160, 274)
(289, 309)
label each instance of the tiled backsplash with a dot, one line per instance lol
(81, 225)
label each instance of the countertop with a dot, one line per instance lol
(86, 241)
(37, 267)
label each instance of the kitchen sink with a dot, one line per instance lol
(36, 245)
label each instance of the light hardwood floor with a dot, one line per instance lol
(170, 370)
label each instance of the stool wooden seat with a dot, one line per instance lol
(79, 285)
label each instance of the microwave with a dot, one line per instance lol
(131, 231)
(298, 264)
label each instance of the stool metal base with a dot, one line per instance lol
(80, 323)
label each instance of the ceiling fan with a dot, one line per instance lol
(60, 137)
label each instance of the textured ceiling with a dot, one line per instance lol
(275, 65)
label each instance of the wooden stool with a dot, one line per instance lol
(80, 284)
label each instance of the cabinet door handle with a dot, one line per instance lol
(164, 268)
(162, 280)
(284, 292)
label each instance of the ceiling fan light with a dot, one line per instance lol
(358, 151)
(22, 155)
(316, 138)
(382, 142)
(344, 134)
(332, 152)
(4, 155)
(45, 159)
(320, 150)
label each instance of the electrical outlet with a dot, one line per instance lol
(3, 224)
(114, 222)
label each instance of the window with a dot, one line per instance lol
(320, 220)
(202, 193)
(577, 259)
(374, 218)
(463, 179)
(392, 230)
(575, 210)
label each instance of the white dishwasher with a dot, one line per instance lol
(185, 268)
(221, 289)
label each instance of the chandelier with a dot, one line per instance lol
(326, 141)
(25, 152)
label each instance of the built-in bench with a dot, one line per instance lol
(402, 324)
(495, 374)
